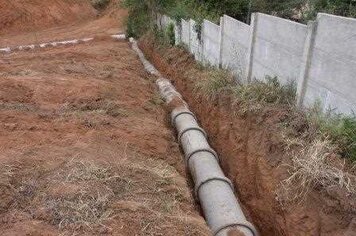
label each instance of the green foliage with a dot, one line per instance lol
(298, 10)
(214, 81)
(270, 91)
(137, 24)
(337, 7)
(170, 34)
(339, 128)
(165, 37)
(142, 14)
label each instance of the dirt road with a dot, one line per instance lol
(85, 148)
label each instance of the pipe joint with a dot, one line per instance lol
(197, 128)
(209, 150)
(183, 112)
(244, 224)
(201, 182)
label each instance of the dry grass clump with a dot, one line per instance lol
(213, 82)
(251, 97)
(341, 129)
(85, 209)
(270, 91)
(82, 196)
(313, 168)
(99, 106)
(18, 106)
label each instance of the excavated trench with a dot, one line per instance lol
(251, 153)
(254, 158)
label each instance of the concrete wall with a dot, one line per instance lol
(319, 57)
(185, 32)
(195, 43)
(235, 45)
(277, 48)
(211, 43)
(331, 76)
(165, 21)
(178, 33)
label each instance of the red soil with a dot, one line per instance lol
(84, 147)
(87, 25)
(253, 156)
(28, 16)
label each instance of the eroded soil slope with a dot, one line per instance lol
(84, 147)
(30, 15)
(110, 21)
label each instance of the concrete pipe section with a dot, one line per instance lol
(213, 190)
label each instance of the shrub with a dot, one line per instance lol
(313, 168)
(142, 15)
(339, 128)
(170, 34)
(255, 95)
(214, 82)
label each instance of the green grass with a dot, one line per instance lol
(341, 129)
(270, 91)
(214, 82)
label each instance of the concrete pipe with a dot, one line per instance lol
(212, 189)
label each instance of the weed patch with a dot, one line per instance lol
(213, 82)
(251, 97)
(314, 168)
(339, 128)
(80, 195)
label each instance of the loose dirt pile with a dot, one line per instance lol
(85, 149)
(254, 157)
(30, 15)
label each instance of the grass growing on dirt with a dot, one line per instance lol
(257, 95)
(314, 167)
(340, 129)
(80, 195)
(252, 97)
(214, 82)
(270, 91)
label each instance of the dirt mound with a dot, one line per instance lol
(30, 15)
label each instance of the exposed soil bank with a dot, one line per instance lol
(31, 15)
(70, 25)
(253, 156)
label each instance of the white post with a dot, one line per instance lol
(203, 53)
(249, 69)
(222, 23)
(307, 57)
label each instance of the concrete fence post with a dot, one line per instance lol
(222, 23)
(190, 35)
(178, 32)
(306, 62)
(202, 41)
(251, 49)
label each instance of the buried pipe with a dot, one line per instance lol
(212, 188)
